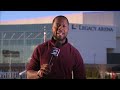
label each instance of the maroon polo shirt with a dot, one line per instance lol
(68, 60)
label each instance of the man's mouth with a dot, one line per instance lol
(60, 33)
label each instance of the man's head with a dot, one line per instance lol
(60, 27)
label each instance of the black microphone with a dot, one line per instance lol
(55, 51)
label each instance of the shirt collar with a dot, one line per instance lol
(53, 41)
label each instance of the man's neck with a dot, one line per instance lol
(62, 41)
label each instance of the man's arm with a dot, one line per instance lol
(79, 68)
(34, 65)
(31, 74)
(34, 69)
(44, 70)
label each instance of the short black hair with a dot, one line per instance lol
(60, 16)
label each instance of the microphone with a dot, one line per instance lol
(55, 51)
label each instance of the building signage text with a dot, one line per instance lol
(91, 28)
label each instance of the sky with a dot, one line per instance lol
(14, 15)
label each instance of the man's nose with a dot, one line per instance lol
(59, 31)
(60, 27)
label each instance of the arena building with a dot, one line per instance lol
(95, 34)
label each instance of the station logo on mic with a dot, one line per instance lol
(55, 51)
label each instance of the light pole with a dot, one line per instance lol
(44, 33)
(94, 58)
(94, 55)
(10, 65)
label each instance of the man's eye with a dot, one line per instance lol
(64, 26)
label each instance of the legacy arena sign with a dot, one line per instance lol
(91, 28)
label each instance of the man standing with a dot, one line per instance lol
(65, 60)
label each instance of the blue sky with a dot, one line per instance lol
(14, 15)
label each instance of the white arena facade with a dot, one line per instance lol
(95, 34)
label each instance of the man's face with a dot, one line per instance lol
(60, 28)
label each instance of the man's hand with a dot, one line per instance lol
(44, 70)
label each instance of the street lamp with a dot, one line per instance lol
(94, 58)
(10, 65)
(44, 33)
(94, 55)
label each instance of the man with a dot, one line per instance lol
(43, 65)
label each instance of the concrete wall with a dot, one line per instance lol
(99, 18)
(111, 18)
(117, 24)
(92, 44)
